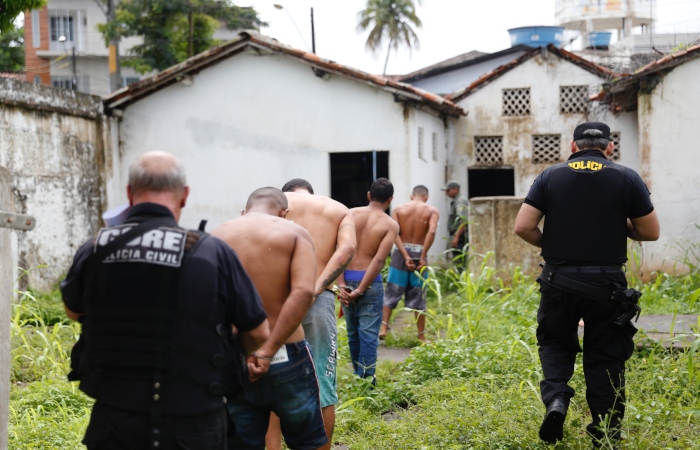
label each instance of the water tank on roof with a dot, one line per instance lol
(536, 36)
(599, 39)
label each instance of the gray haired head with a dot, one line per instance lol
(157, 171)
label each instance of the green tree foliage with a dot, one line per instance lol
(12, 50)
(10, 9)
(389, 20)
(173, 30)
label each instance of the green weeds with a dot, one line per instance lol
(475, 387)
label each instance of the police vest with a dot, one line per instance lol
(154, 328)
(586, 211)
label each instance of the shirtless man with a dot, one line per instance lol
(332, 230)
(279, 257)
(418, 222)
(363, 296)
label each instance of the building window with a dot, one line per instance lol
(64, 82)
(546, 148)
(36, 29)
(421, 147)
(615, 139)
(435, 147)
(488, 150)
(62, 24)
(516, 102)
(71, 24)
(573, 99)
(130, 80)
(37, 79)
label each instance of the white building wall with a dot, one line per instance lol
(669, 136)
(253, 121)
(543, 74)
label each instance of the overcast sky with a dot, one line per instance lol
(450, 27)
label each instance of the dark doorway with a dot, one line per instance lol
(491, 182)
(353, 173)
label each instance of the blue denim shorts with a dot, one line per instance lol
(290, 390)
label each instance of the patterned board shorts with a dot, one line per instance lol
(321, 333)
(401, 282)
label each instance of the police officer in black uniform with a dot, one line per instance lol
(592, 206)
(157, 304)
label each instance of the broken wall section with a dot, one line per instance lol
(53, 142)
(491, 230)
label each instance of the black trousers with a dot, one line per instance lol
(606, 347)
(118, 429)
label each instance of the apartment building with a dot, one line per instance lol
(62, 28)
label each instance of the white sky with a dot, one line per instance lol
(450, 27)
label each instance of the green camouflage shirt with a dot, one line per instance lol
(459, 213)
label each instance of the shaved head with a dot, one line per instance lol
(420, 190)
(267, 196)
(157, 171)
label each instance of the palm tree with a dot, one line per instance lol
(389, 19)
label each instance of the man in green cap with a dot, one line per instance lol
(457, 225)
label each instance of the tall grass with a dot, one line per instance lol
(46, 412)
(474, 387)
(477, 385)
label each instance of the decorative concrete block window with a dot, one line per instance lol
(421, 142)
(546, 148)
(615, 138)
(488, 150)
(516, 102)
(435, 146)
(573, 99)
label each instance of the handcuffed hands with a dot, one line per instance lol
(410, 265)
(257, 367)
(348, 295)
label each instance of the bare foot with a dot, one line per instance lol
(383, 330)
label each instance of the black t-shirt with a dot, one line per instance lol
(586, 202)
(243, 305)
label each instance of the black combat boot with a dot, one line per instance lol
(552, 428)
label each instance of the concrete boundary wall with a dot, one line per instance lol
(491, 230)
(56, 146)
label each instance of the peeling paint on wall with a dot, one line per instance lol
(53, 143)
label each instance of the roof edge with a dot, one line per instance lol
(136, 91)
(416, 75)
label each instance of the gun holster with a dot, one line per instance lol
(627, 305)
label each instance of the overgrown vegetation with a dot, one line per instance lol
(474, 387)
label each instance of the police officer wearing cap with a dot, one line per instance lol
(157, 304)
(456, 219)
(592, 205)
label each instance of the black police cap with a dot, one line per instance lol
(592, 130)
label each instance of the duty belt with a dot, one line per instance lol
(556, 278)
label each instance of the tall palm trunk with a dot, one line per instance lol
(386, 61)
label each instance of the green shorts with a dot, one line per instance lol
(321, 333)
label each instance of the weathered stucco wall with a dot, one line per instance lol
(259, 120)
(491, 230)
(543, 74)
(52, 142)
(669, 137)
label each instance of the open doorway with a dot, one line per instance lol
(491, 181)
(353, 173)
